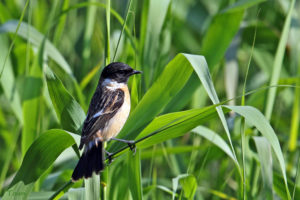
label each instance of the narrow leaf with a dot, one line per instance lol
(28, 32)
(265, 157)
(8, 81)
(158, 95)
(39, 157)
(257, 119)
(68, 111)
(200, 66)
(278, 61)
(189, 186)
(216, 40)
(173, 125)
(33, 90)
(92, 187)
(242, 4)
(134, 175)
(215, 139)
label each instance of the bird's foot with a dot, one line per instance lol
(132, 146)
(130, 143)
(109, 157)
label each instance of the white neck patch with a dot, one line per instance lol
(111, 84)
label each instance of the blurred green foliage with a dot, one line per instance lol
(194, 54)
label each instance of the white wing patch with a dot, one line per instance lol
(98, 114)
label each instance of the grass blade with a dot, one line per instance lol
(68, 111)
(278, 62)
(175, 182)
(92, 187)
(158, 96)
(216, 40)
(257, 119)
(61, 24)
(134, 174)
(107, 41)
(156, 16)
(188, 183)
(173, 125)
(33, 90)
(200, 66)
(242, 4)
(123, 28)
(15, 35)
(30, 33)
(87, 38)
(216, 140)
(8, 82)
(265, 157)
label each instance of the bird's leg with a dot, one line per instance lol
(130, 143)
(109, 156)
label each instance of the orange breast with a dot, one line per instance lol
(115, 124)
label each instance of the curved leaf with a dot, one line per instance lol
(257, 119)
(200, 66)
(68, 111)
(265, 157)
(215, 139)
(157, 97)
(30, 33)
(188, 183)
(42, 153)
(170, 82)
(173, 125)
(39, 157)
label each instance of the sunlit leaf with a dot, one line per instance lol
(257, 119)
(215, 139)
(92, 187)
(135, 175)
(278, 61)
(189, 186)
(161, 92)
(265, 156)
(174, 125)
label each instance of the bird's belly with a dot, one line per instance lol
(115, 124)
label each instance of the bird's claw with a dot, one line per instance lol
(132, 146)
(109, 157)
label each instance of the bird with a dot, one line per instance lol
(107, 113)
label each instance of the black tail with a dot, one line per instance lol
(90, 161)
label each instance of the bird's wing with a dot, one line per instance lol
(103, 107)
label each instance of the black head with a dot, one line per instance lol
(118, 72)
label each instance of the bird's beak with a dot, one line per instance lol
(136, 72)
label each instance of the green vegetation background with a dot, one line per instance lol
(215, 114)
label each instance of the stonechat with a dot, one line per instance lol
(107, 114)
